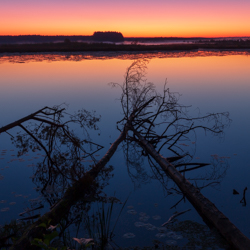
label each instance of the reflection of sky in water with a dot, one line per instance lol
(212, 84)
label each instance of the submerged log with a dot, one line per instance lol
(81, 188)
(207, 210)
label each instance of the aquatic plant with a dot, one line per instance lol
(99, 226)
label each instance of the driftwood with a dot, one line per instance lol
(85, 186)
(207, 210)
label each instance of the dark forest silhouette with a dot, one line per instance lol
(108, 36)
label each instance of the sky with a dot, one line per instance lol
(133, 18)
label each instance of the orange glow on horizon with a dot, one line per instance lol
(178, 19)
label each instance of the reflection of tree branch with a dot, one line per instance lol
(200, 165)
(84, 187)
(24, 119)
(174, 216)
(176, 204)
(243, 200)
(179, 127)
(41, 145)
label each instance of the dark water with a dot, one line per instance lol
(208, 81)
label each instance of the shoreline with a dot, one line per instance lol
(106, 47)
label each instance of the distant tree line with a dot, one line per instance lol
(41, 39)
(97, 36)
(111, 36)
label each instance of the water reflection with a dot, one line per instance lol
(220, 159)
(48, 57)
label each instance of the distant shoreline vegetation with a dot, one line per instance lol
(114, 41)
(107, 36)
(69, 46)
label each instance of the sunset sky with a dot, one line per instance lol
(134, 18)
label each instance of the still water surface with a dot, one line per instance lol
(208, 81)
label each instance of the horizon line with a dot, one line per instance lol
(189, 37)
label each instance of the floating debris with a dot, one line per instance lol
(144, 218)
(12, 203)
(128, 235)
(235, 191)
(171, 234)
(51, 228)
(162, 229)
(3, 201)
(18, 195)
(1, 177)
(156, 204)
(5, 209)
(150, 227)
(139, 224)
(84, 241)
(156, 217)
(177, 237)
(132, 211)
(171, 242)
(142, 214)
(160, 235)
(31, 165)
(130, 207)
(38, 199)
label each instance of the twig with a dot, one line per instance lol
(173, 216)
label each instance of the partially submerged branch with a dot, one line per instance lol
(204, 207)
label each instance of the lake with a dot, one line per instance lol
(209, 81)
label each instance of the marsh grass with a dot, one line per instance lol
(100, 227)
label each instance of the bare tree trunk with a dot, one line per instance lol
(79, 190)
(207, 210)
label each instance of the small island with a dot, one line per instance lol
(108, 36)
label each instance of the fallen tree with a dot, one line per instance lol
(159, 124)
(207, 210)
(162, 125)
(84, 188)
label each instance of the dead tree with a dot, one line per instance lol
(82, 189)
(160, 125)
(53, 135)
